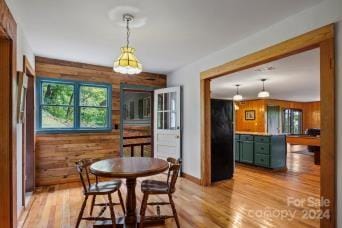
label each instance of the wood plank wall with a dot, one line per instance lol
(257, 125)
(311, 113)
(56, 153)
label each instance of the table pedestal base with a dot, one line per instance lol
(120, 222)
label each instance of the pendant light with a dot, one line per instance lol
(237, 96)
(127, 63)
(263, 93)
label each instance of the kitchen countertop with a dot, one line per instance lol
(255, 133)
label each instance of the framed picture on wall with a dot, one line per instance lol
(250, 115)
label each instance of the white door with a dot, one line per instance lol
(167, 123)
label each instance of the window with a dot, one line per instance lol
(65, 105)
(166, 111)
(292, 121)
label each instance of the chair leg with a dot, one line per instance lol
(92, 204)
(111, 209)
(121, 202)
(80, 215)
(143, 210)
(174, 210)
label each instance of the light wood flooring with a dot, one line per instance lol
(253, 198)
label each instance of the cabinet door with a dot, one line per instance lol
(237, 150)
(247, 152)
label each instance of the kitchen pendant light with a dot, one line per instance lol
(127, 63)
(237, 96)
(263, 93)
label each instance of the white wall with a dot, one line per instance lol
(328, 11)
(23, 48)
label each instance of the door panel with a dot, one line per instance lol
(247, 152)
(167, 124)
(237, 150)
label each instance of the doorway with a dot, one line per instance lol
(273, 124)
(136, 121)
(322, 38)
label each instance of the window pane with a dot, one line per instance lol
(57, 117)
(93, 96)
(166, 120)
(160, 120)
(141, 108)
(131, 110)
(166, 101)
(93, 117)
(297, 125)
(57, 93)
(173, 101)
(147, 107)
(160, 102)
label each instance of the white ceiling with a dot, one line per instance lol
(174, 32)
(295, 78)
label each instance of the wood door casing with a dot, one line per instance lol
(8, 164)
(29, 138)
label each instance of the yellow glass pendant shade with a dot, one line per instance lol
(127, 63)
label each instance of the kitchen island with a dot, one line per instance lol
(260, 149)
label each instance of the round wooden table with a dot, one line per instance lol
(130, 168)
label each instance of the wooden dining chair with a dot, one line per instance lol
(95, 189)
(155, 187)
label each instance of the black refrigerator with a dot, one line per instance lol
(222, 139)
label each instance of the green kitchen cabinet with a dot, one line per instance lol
(237, 150)
(267, 151)
(247, 151)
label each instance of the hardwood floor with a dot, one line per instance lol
(235, 203)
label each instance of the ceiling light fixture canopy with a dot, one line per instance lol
(237, 96)
(127, 63)
(263, 93)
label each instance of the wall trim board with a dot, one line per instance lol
(322, 38)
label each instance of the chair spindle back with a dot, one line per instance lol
(82, 167)
(173, 173)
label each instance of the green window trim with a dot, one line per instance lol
(74, 106)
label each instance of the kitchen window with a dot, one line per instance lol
(73, 106)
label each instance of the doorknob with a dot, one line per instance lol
(177, 137)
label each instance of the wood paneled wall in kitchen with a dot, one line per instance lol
(311, 114)
(257, 125)
(56, 153)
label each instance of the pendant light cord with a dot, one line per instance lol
(128, 31)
